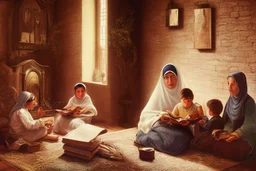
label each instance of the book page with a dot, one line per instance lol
(85, 133)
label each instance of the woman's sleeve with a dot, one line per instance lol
(249, 120)
(30, 123)
(148, 119)
(228, 126)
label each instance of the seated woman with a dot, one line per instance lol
(64, 124)
(153, 131)
(23, 127)
(238, 138)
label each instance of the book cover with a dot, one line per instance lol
(177, 119)
(84, 133)
(83, 156)
(80, 151)
(70, 112)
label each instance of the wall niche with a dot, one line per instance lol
(30, 25)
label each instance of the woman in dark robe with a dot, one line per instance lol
(237, 140)
(153, 130)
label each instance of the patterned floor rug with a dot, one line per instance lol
(51, 157)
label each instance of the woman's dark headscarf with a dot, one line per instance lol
(169, 68)
(234, 109)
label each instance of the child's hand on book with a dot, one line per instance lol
(184, 123)
(172, 115)
(40, 112)
(48, 122)
(219, 134)
(76, 113)
(193, 116)
(165, 118)
(232, 138)
(201, 122)
(168, 119)
(49, 129)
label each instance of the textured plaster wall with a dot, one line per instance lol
(205, 72)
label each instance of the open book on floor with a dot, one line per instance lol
(89, 146)
(84, 135)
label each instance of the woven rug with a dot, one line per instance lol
(51, 157)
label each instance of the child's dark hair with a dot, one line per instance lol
(79, 85)
(215, 106)
(186, 93)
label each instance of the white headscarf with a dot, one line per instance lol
(24, 96)
(84, 102)
(162, 98)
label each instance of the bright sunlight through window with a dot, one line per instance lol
(94, 41)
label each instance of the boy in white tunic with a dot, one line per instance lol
(22, 125)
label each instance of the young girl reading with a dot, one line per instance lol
(80, 107)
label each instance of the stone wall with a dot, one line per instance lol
(205, 71)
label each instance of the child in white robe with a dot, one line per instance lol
(22, 125)
(81, 99)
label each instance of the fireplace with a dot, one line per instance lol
(30, 76)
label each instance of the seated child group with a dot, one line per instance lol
(24, 129)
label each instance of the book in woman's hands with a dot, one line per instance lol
(220, 134)
(69, 112)
(171, 119)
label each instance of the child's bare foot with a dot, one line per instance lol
(49, 129)
(51, 137)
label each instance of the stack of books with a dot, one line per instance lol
(83, 142)
(82, 150)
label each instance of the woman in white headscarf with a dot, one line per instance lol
(171, 139)
(64, 124)
(22, 125)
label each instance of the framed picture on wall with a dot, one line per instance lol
(203, 28)
(173, 17)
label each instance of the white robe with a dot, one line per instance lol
(162, 99)
(22, 125)
(63, 124)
